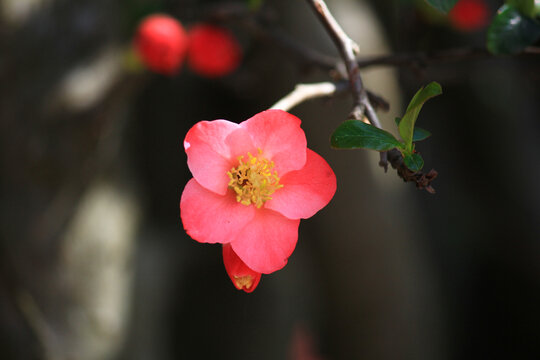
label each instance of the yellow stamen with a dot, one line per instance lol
(253, 180)
(243, 281)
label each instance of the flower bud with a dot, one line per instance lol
(161, 42)
(213, 51)
(469, 15)
(242, 277)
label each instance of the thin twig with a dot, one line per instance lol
(260, 25)
(348, 50)
(363, 100)
(424, 59)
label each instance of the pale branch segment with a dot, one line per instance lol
(305, 92)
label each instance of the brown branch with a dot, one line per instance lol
(260, 24)
(348, 50)
(362, 105)
(425, 59)
(364, 102)
(257, 24)
(422, 180)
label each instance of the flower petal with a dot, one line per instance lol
(266, 242)
(212, 218)
(209, 154)
(240, 143)
(278, 134)
(242, 277)
(305, 191)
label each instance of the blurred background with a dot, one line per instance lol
(95, 264)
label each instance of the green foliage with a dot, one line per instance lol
(354, 134)
(419, 134)
(406, 124)
(510, 31)
(526, 7)
(442, 5)
(413, 161)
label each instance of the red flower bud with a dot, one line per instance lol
(213, 51)
(469, 15)
(242, 277)
(161, 43)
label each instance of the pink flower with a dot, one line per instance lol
(252, 183)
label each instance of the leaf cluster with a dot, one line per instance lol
(355, 134)
(515, 27)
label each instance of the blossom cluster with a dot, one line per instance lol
(163, 44)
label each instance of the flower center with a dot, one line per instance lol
(253, 180)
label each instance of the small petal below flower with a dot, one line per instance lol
(242, 277)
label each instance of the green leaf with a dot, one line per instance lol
(413, 161)
(355, 134)
(442, 5)
(420, 134)
(510, 32)
(526, 7)
(406, 125)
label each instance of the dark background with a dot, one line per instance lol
(94, 263)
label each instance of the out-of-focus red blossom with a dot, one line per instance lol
(241, 276)
(469, 15)
(252, 183)
(213, 51)
(161, 43)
